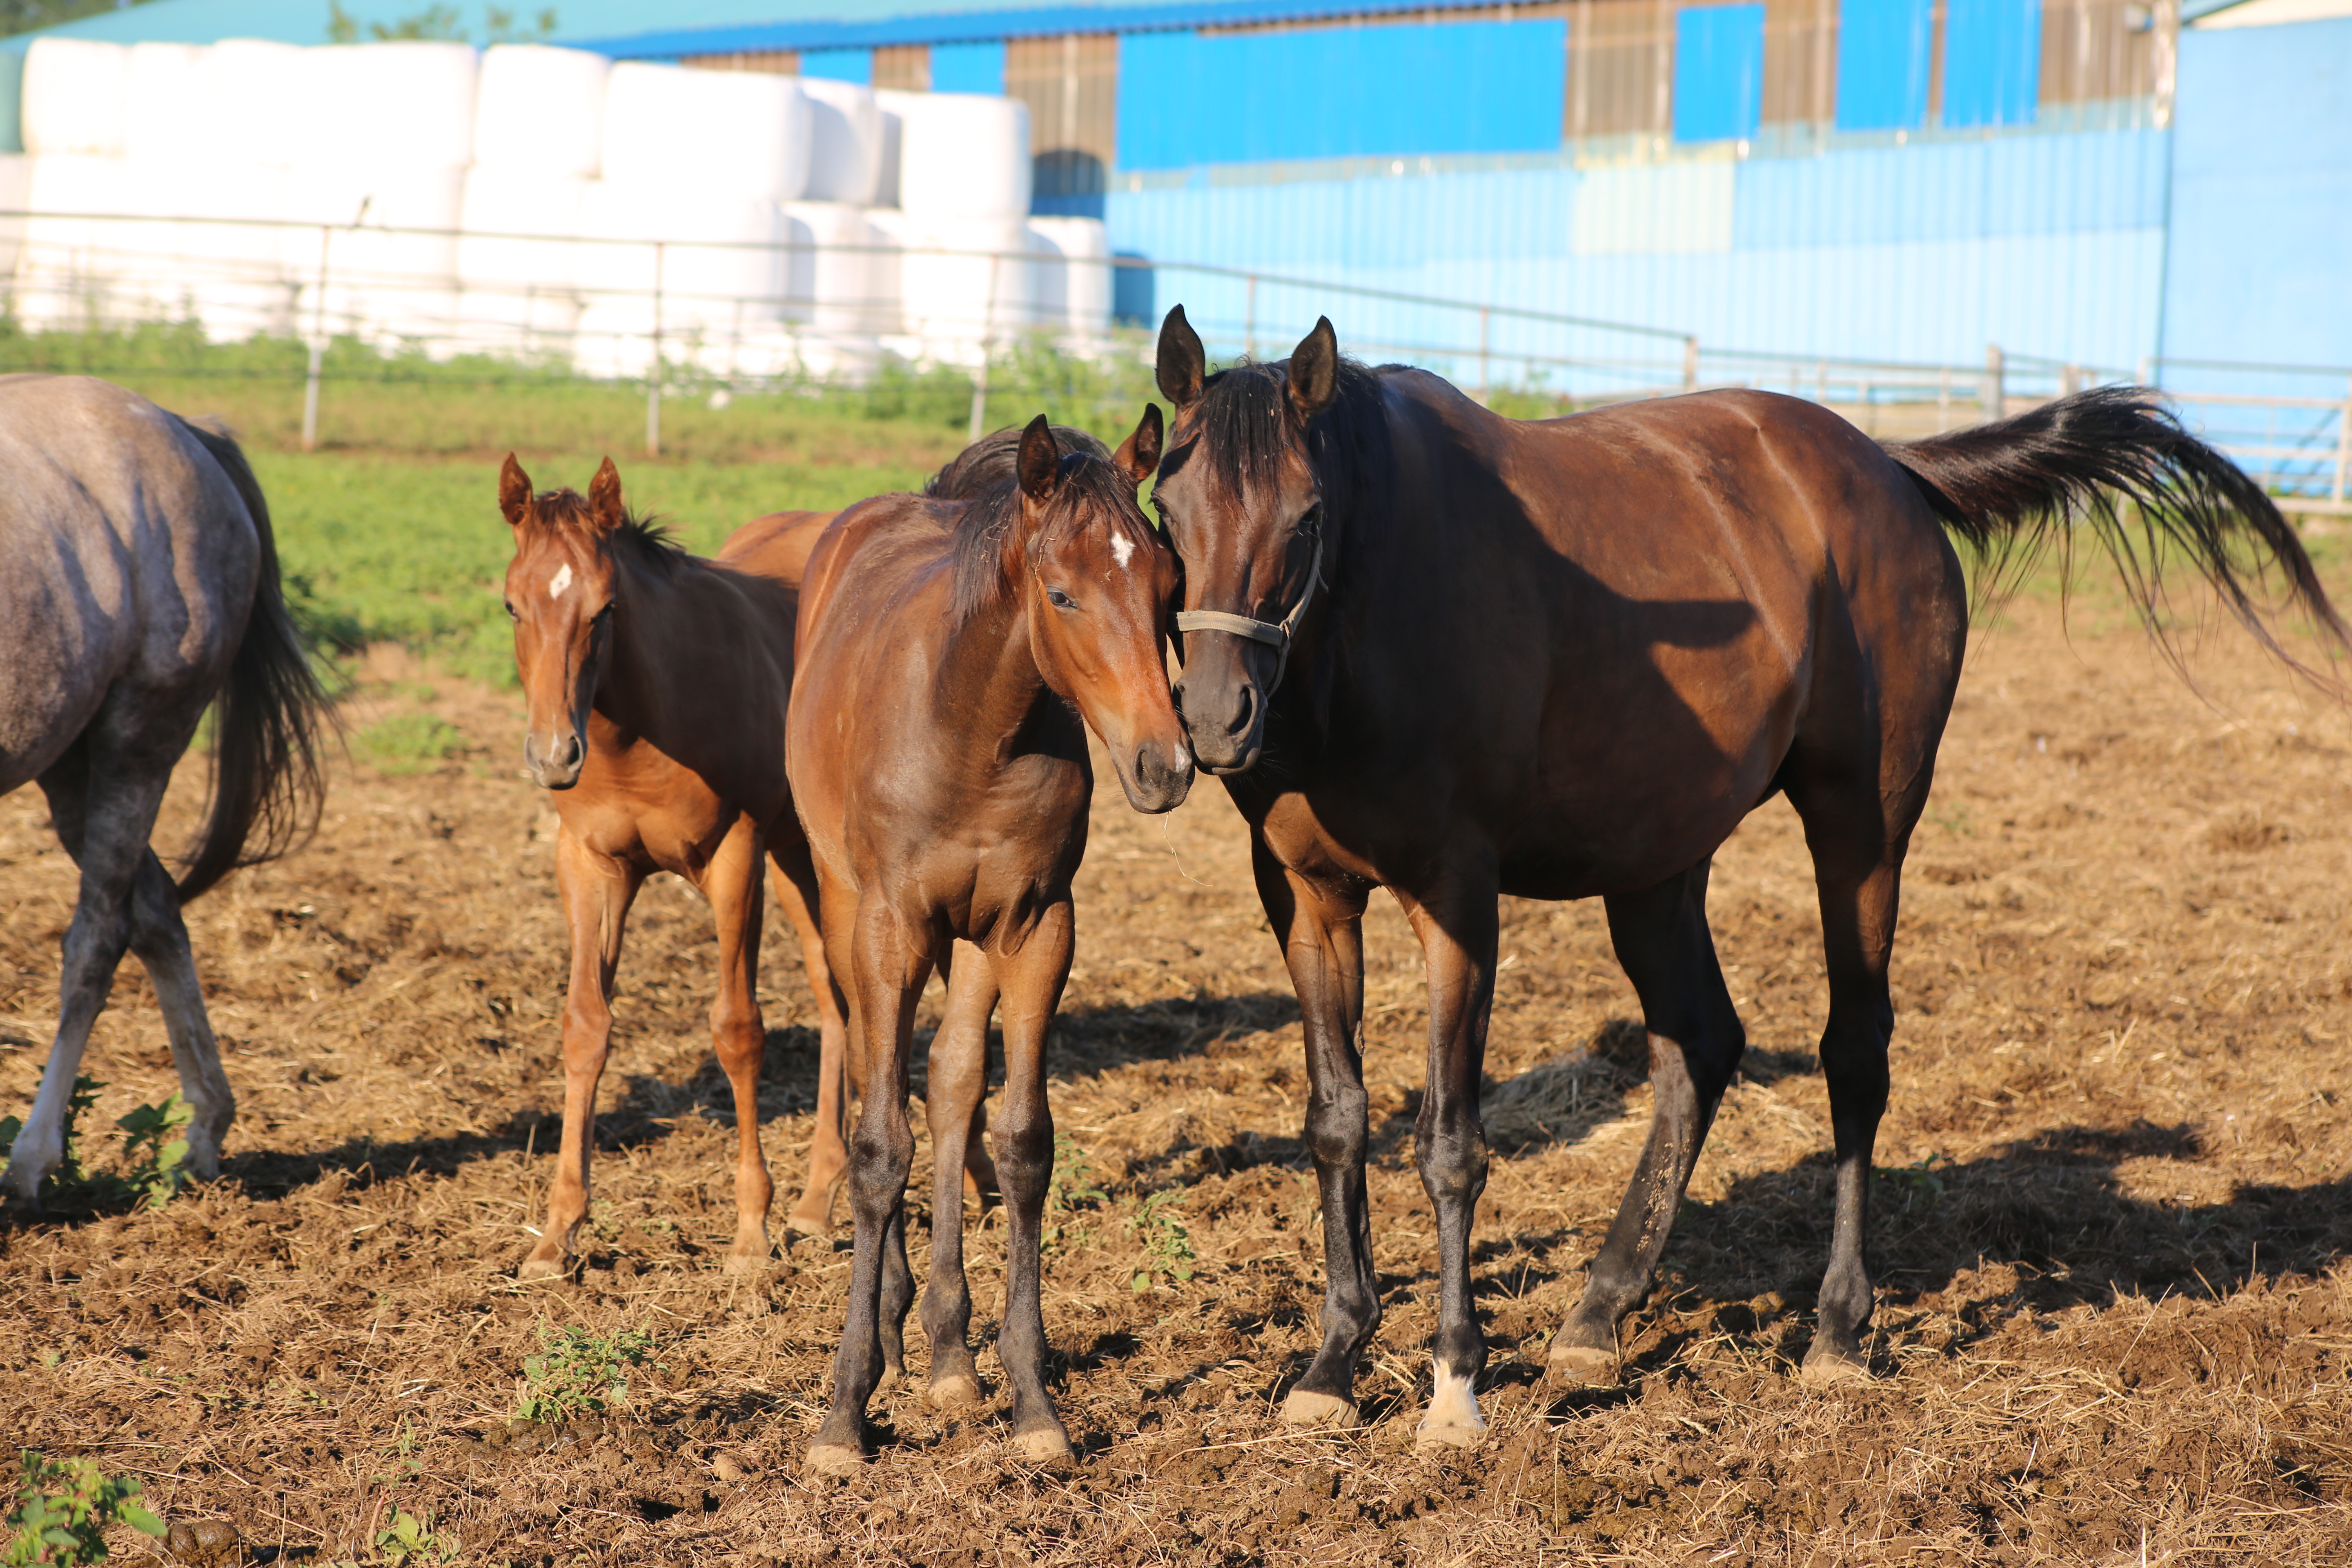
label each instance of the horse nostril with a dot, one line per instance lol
(1245, 711)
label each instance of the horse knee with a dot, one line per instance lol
(879, 1164)
(1335, 1129)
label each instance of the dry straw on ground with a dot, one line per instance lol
(2115, 1314)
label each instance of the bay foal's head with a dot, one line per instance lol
(1240, 493)
(1094, 580)
(561, 594)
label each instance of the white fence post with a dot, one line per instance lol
(654, 371)
(1994, 394)
(2343, 447)
(1690, 364)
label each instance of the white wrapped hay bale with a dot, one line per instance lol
(16, 195)
(506, 321)
(963, 155)
(724, 133)
(216, 249)
(964, 284)
(890, 108)
(70, 266)
(255, 94)
(76, 97)
(520, 230)
(1071, 275)
(379, 282)
(886, 234)
(409, 102)
(164, 98)
(845, 141)
(720, 264)
(827, 273)
(540, 110)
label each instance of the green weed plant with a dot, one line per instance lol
(63, 1508)
(577, 1374)
(1167, 1244)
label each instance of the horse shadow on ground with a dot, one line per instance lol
(652, 1107)
(2055, 1207)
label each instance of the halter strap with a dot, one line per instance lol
(1274, 633)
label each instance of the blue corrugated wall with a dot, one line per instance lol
(2048, 243)
(2261, 198)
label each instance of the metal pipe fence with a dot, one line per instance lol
(658, 310)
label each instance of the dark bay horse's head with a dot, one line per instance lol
(562, 591)
(1239, 494)
(1095, 582)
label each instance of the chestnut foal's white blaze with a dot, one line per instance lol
(561, 584)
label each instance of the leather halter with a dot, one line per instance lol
(1274, 633)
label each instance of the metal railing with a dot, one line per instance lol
(2290, 426)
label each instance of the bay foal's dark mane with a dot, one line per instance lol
(646, 541)
(984, 564)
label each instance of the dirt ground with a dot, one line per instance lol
(2112, 1233)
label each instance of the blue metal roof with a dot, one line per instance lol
(635, 29)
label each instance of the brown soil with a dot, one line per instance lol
(2115, 1310)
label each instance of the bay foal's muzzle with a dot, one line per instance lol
(1159, 776)
(554, 759)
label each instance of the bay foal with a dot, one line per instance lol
(657, 684)
(952, 655)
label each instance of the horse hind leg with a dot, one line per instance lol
(104, 809)
(159, 937)
(1858, 841)
(959, 1075)
(1666, 949)
(793, 877)
(731, 882)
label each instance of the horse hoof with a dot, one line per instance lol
(741, 1264)
(1306, 1408)
(1448, 1436)
(1578, 1365)
(954, 1392)
(1046, 1446)
(1829, 1369)
(546, 1269)
(835, 1459)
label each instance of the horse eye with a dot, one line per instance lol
(1061, 601)
(511, 613)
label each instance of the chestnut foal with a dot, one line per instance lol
(948, 653)
(657, 685)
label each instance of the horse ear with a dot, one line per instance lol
(1183, 364)
(1040, 462)
(514, 491)
(1139, 456)
(1315, 370)
(604, 507)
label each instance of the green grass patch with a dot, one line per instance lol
(409, 743)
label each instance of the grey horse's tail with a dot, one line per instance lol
(267, 783)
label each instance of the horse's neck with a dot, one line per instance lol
(986, 686)
(639, 687)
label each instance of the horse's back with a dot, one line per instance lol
(777, 545)
(126, 558)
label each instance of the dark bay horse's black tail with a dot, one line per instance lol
(267, 784)
(2011, 488)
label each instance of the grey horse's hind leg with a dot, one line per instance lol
(104, 813)
(159, 938)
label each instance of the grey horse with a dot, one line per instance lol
(139, 587)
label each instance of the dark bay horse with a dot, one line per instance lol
(138, 587)
(951, 658)
(1456, 655)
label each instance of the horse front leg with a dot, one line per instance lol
(597, 890)
(795, 882)
(1032, 981)
(886, 971)
(1320, 927)
(958, 1079)
(1458, 926)
(731, 882)
(1695, 1040)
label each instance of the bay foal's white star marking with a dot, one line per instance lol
(562, 582)
(1121, 548)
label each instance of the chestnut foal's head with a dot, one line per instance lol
(1096, 588)
(560, 594)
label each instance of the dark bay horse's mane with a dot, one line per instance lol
(983, 567)
(1246, 422)
(644, 539)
